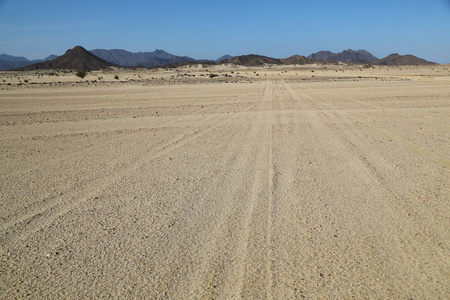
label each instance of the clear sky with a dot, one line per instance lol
(209, 29)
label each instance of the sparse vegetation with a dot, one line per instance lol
(116, 77)
(81, 74)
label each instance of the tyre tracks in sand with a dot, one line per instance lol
(288, 198)
(236, 246)
(24, 222)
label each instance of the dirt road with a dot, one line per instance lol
(266, 190)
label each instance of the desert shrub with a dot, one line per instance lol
(116, 77)
(81, 74)
(26, 80)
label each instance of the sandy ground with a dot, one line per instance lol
(276, 185)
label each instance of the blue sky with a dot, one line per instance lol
(209, 29)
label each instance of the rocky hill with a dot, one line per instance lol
(348, 56)
(8, 62)
(145, 59)
(252, 60)
(77, 58)
(297, 60)
(396, 59)
(224, 58)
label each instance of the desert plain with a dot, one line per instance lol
(257, 183)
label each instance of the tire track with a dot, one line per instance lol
(204, 279)
(213, 237)
(370, 172)
(381, 169)
(389, 111)
(59, 161)
(130, 134)
(227, 223)
(284, 139)
(222, 259)
(259, 195)
(389, 215)
(24, 225)
(296, 96)
(269, 266)
(409, 145)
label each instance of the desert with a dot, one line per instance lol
(226, 182)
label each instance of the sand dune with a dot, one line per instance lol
(273, 187)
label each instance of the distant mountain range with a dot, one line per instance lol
(297, 60)
(252, 60)
(348, 56)
(224, 58)
(80, 58)
(114, 56)
(144, 59)
(397, 60)
(8, 62)
(77, 58)
(362, 56)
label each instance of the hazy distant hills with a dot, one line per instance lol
(10, 58)
(398, 60)
(77, 58)
(297, 60)
(145, 59)
(8, 62)
(252, 60)
(224, 58)
(362, 56)
(348, 56)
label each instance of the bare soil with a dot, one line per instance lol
(267, 184)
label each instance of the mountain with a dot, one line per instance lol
(224, 57)
(8, 62)
(297, 60)
(324, 55)
(397, 60)
(9, 65)
(348, 56)
(10, 58)
(145, 59)
(158, 61)
(77, 58)
(50, 57)
(252, 60)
